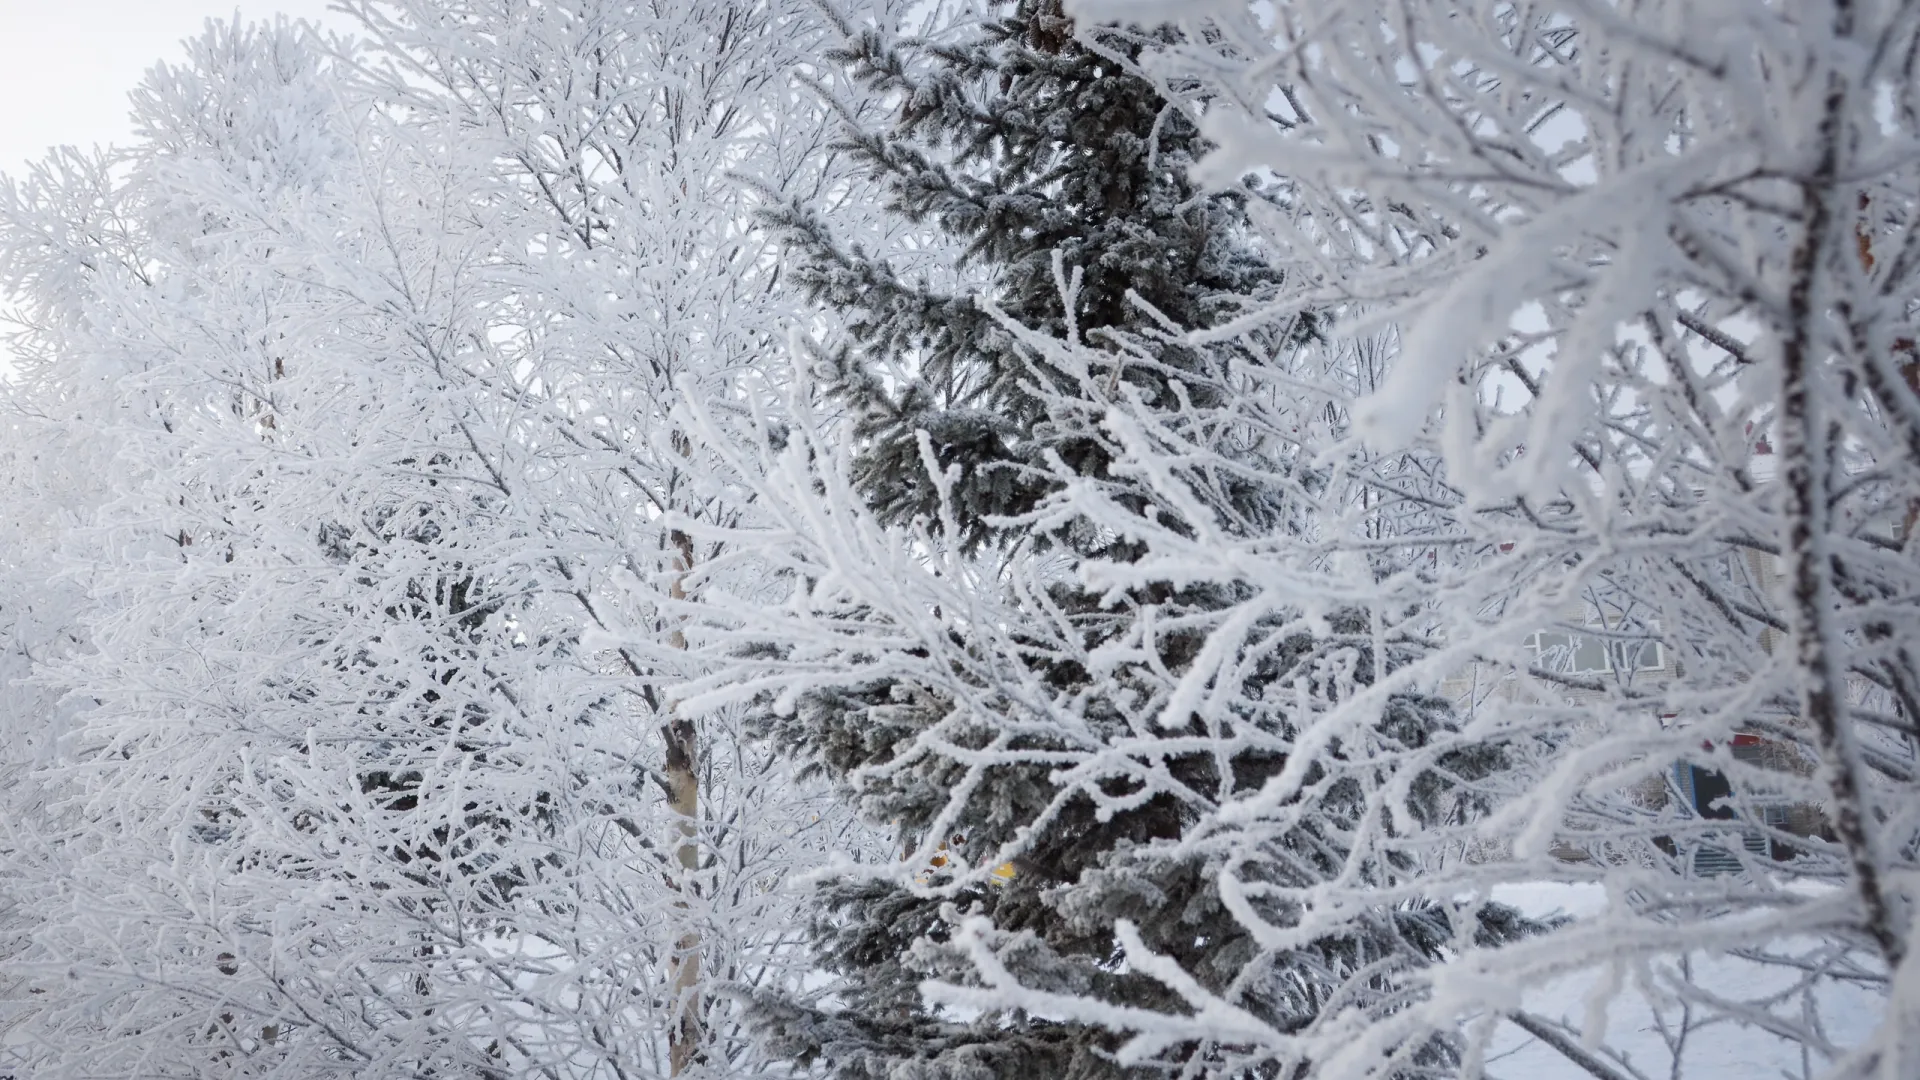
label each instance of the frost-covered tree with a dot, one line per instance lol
(1248, 497)
(1056, 175)
(374, 346)
(629, 144)
(305, 782)
(50, 475)
(1641, 279)
(42, 479)
(1042, 742)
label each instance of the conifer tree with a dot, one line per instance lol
(1025, 731)
(1033, 155)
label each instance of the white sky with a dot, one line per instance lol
(70, 63)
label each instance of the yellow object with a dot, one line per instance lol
(1001, 874)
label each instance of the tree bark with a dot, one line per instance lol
(1807, 445)
(685, 1035)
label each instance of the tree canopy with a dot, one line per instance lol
(905, 540)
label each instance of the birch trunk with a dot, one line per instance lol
(685, 1034)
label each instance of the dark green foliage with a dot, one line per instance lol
(1061, 178)
(1024, 147)
(1150, 864)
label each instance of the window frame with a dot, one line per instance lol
(1573, 640)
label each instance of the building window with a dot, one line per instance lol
(1708, 794)
(1581, 654)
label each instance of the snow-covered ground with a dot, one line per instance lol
(1643, 1042)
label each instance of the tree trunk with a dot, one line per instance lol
(685, 1034)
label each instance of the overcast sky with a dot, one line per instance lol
(70, 63)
